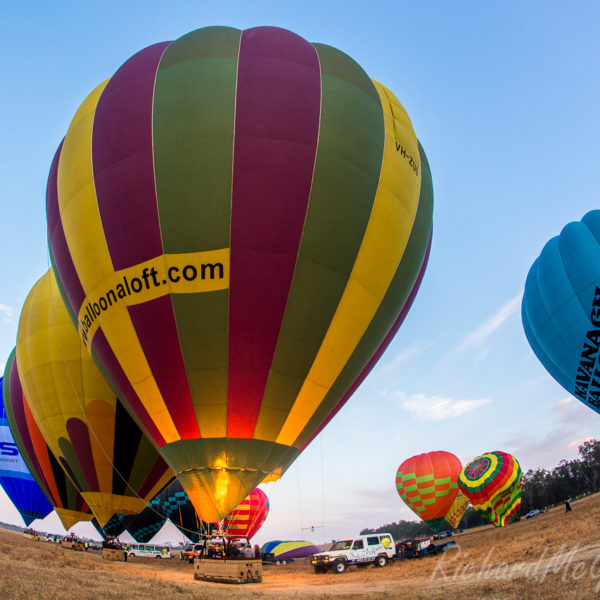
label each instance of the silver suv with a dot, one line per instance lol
(363, 550)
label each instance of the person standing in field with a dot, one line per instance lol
(567, 506)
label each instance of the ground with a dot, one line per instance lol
(555, 555)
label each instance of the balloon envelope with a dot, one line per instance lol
(248, 517)
(239, 222)
(561, 308)
(492, 482)
(289, 549)
(51, 477)
(111, 462)
(428, 484)
(17, 481)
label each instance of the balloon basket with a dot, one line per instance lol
(67, 545)
(112, 554)
(228, 570)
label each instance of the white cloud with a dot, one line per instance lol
(438, 408)
(494, 322)
(8, 313)
(410, 351)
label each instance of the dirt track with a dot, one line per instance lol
(551, 556)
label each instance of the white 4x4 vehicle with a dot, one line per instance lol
(362, 550)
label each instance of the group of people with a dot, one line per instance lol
(220, 548)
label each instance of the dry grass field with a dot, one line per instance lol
(552, 556)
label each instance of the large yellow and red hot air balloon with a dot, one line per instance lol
(239, 222)
(110, 461)
(248, 516)
(493, 482)
(428, 484)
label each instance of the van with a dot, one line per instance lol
(148, 550)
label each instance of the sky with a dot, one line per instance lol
(503, 98)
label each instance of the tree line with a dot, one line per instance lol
(542, 488)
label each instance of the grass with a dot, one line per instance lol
(552, 556)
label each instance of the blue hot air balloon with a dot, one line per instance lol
(561, 308)
(15, 478)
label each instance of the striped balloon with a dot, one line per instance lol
(239, 222)
(109, 460)
(247, 518)
(428, 485)
(51, 477)
(492, 482)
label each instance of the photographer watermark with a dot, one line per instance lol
(570, 563)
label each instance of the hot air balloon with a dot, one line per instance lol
(284, 550)
(239, 222)
(248, 516)
(15, 477)
(492, 482)
(428, 484)
(51, 477)
(457, 510)
(561, 308)
(173, 504)
(147, 524)
(112, 464)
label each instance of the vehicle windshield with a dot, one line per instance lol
(342, 545)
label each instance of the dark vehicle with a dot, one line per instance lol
(419, 548)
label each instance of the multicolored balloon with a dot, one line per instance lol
(50, 476)
(173, 504)
(248, 517)
(428, 484)
(561, 308)
(284, 550)
(239, 222)
(492, 482)
(16, 479)
(112, 464)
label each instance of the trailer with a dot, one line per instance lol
(419, 548)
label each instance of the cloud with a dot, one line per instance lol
(438, 408)
(414, 349)
(8, 313)
(494, 322)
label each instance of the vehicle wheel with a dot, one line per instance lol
(131, 555)
(381, 561)
(277, 562)
(157, 556)
(284, 562)
(339, 567)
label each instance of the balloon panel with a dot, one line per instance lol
(428, 484)
(235, 326)
(561, 308)
(108, 458)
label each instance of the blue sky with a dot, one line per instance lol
(503, 98)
